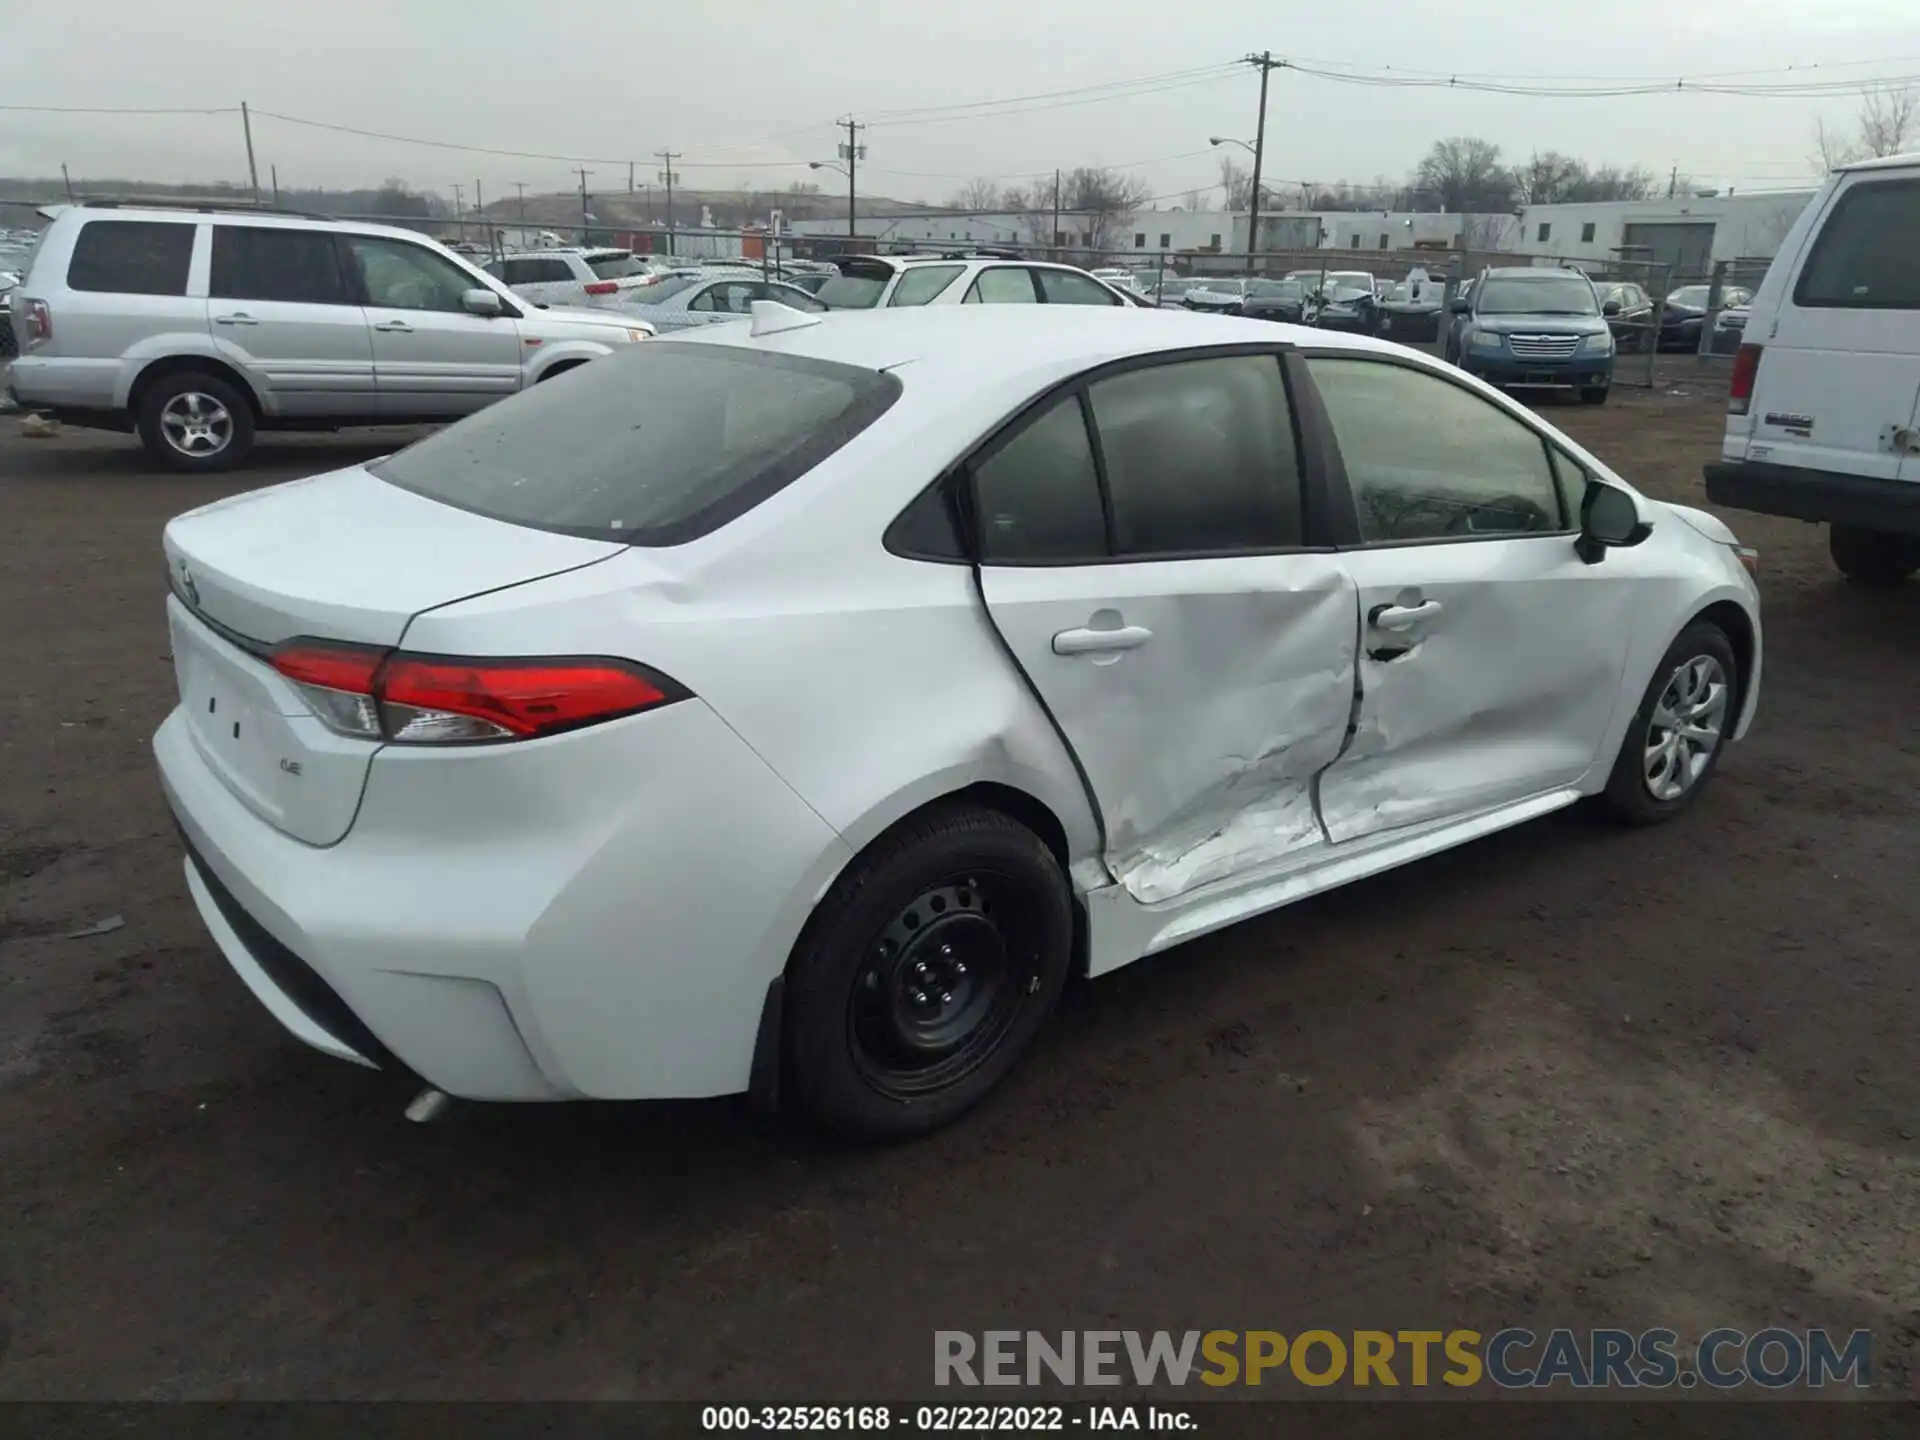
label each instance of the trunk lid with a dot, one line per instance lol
(343, 556)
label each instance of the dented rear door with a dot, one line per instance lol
(1201, 692)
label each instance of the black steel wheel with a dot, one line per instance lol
(925, 973)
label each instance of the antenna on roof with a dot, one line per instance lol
(770, 317)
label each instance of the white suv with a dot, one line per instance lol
(871, 282)
(198, 326)
(574, 276)
(1824, 414)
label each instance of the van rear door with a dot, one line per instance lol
(1839, 375)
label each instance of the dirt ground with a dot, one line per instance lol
(1568, 1076)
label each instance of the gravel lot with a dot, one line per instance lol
(1568, 1076)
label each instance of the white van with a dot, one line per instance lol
(1823, 421)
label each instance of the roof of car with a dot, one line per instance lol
(1527, 272)
(1885, 162)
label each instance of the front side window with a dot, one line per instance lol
(1038, 495)
(399, 276)
(131, 257)
(257, 263)
(919, 285)
(1002, 285)
(1199, 456)
(1864, 257)
(1065, 287)
(1429, 460)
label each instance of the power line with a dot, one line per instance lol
(1136, 94)
(120, 110)
(1193, 73)
(1676, 85)
(1660, 80)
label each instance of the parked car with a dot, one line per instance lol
(1631, 318)
(683, 302)
(198, 327)
(1534, 328)
(1413, 310)
(1728, 328)
(573, 276)
(669, 733)
(1346, 302)
(868, 282)
(1221, 294)
(1283, 300)
(1685, 313)
(1823, 422)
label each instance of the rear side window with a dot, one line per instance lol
(1038, 496)
(921, 284)
(1199, 456)
(1002, 285)
(656, 445)
(131, 257)
(1865, 257)
(1063, 287)
(255, 263)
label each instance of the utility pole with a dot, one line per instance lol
(1267, 65)
(276, 185)
(68, 179)
(629, 177)
(459, 191)
(1054, 239)
(480, 213)
(1673, 180)
(521, 186)
(667, 177)
(253, 170)
(853, 152)
(583, 173)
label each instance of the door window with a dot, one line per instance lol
(131, 257)
(400, 276)
(1002, 285)
(919, 285)
(256, 263)
(1430, 460)
(1063, 287)
(1864, 258)
(793, 297)
(1038, 495)
(736, 297)
(1199, 456)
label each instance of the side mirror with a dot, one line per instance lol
(1609, 520)
(1460, 306)
(1612, 307)
(481, 302)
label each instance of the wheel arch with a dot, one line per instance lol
(158, 370)
(1737, 624)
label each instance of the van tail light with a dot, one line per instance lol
(447, 700)
(37, 320)
(1746, 365)
(601, 287)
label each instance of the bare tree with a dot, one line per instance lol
(1103, 200)
(979, 196)
(1831, 148)
(1236, 183)
(1465, 174)
(1546, 179)
(1887, 119)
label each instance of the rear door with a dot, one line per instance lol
(1490, 654)
(1143, 554)
(1839, 374)
(281, 309)
(430, 356)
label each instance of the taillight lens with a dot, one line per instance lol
(1746, 365)
(446, 700)
(36, 320)
(601, 287)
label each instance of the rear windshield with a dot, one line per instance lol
(656, 445)
(857, 291)
(1863, 257)
(615, 267)
(131, 257)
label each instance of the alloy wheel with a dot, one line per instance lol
(196, 424)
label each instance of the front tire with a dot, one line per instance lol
(925, 973)
(195, 422)
(1684, 721)
(1873, 557)
(1594, 397)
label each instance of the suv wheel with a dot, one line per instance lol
(1873, 557)
(194, 421)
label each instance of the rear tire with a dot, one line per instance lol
(1594, 397)
(925, 973)
(1873, 557)
(195, 422)
(1679, 731)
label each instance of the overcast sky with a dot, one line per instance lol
(758, 83)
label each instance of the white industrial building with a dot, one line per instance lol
(1687, 232)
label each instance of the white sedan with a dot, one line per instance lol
(683, 302)
(791, 707)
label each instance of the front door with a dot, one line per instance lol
(1490, 654)
(1141, 554)
(281, 310)
(430, 356)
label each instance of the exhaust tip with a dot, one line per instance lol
(429, 1105)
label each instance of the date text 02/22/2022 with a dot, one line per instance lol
(942, 1419)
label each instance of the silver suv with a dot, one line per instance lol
(198, 326)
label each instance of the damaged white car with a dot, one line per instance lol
(789, 708)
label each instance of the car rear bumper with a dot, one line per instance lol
(52, 382)
(1892, 506)
(1581, 374)
(591, 915)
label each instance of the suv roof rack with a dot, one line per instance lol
(201, 207)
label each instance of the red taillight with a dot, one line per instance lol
(38, 322)
(440, 700)
(1746, 365)
(601, 287)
